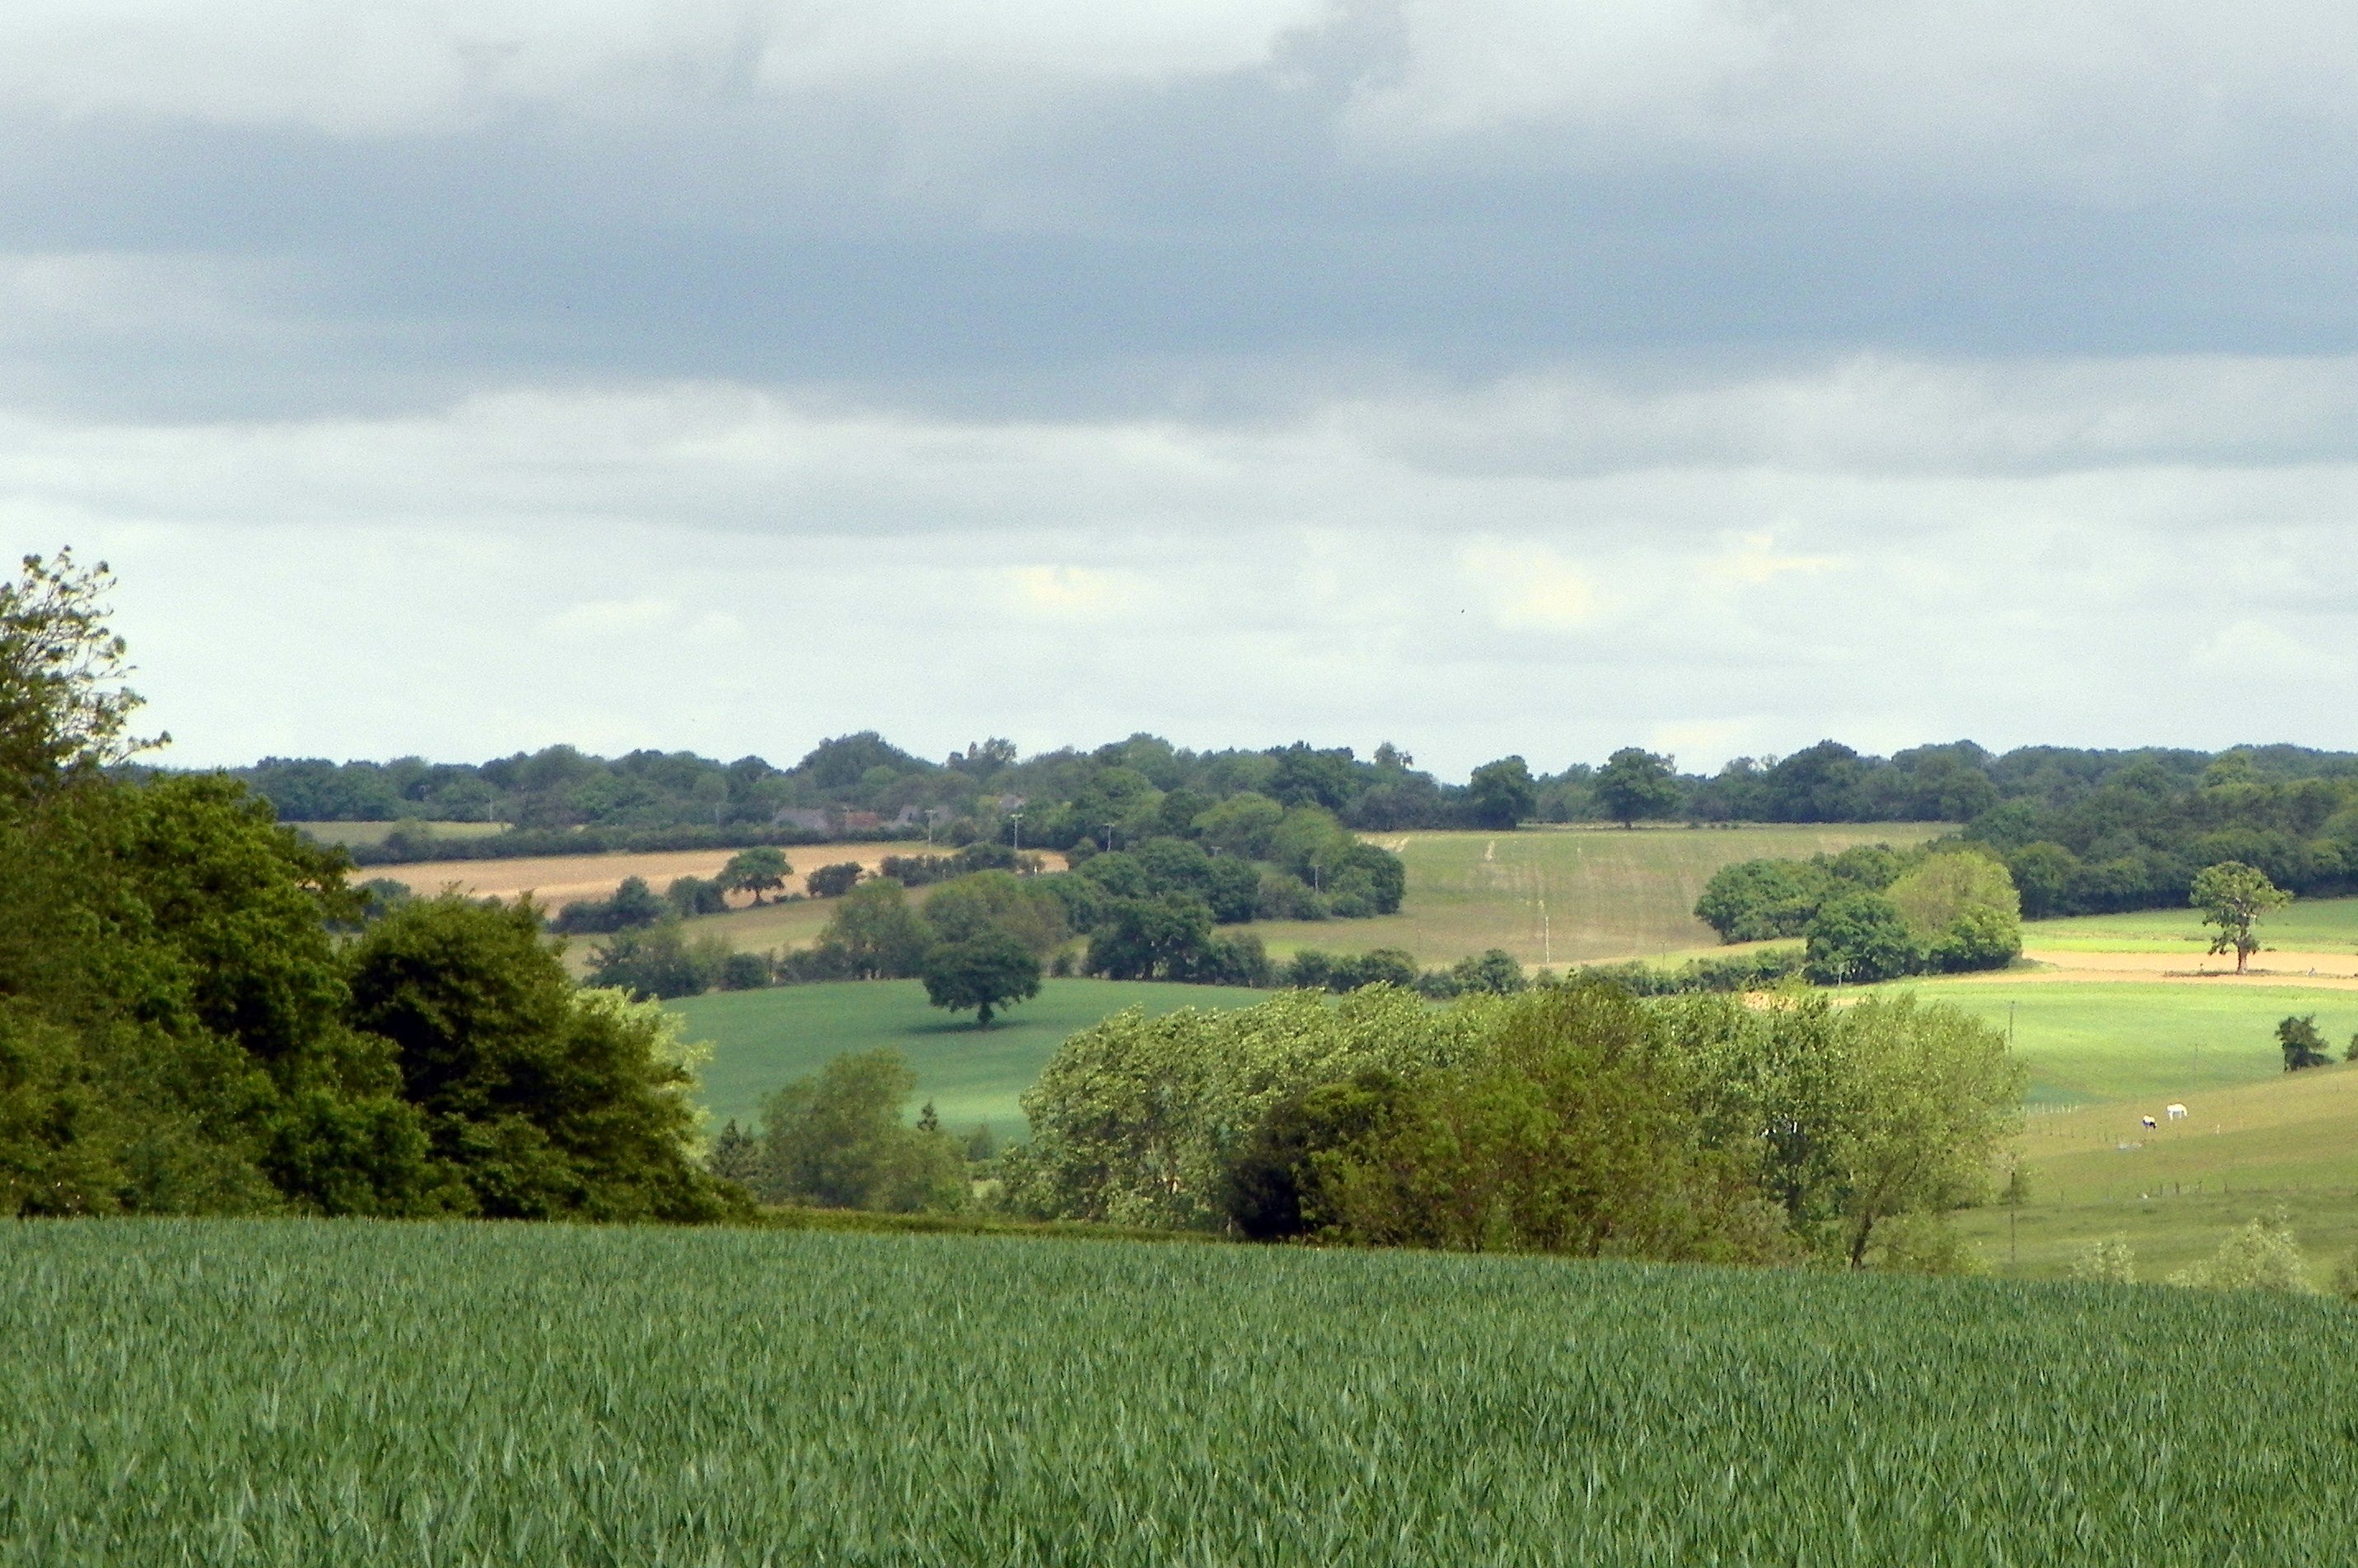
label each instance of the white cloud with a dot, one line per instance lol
(565, 564)
(381, 67)
(1529, 588)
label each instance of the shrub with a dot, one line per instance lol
(2263, 1256)
(2108, 1260)
(836, 1141)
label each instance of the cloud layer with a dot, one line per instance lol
(1484, 376)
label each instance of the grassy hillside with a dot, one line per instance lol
(2307, 926)
(215, 1392)
(763, 1038)
(2174, 1191)
(2112, 1040)
(1567, 894)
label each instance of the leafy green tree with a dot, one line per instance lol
(836, 1139)
(545, 1100)
(2233, 896)
(1152, 939)
(692, 896)
(63, 709)
(2304, 1047)
(982, 902)
(1242, 824)
(756, 871)
(876, 934)
(660, 961)
(1860, 939)
(1502, 794)
(1851, 1117)
(832, 882)
(1136, 1119)
(1636, 783)
(1963, 909)
(1753, 900)
(985, 971)
(1567, 1130)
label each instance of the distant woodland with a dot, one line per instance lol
(2080, 830)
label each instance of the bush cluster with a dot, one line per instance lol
(1570, 1118)
(1874, 912)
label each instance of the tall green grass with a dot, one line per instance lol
(310, 1393)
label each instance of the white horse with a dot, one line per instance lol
(2176, 1113)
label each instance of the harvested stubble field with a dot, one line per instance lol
(1559, 896)
(555, 878)
(319, 1393)
(352, 833)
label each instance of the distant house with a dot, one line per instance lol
(852, 821)
(809, 818)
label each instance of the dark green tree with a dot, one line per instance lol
(2304, 1047)
(545, 1100)
(832, 882)
(1152, 939)
(1502, 794)
(985, 971)
(1859, 938)
(1635, 784)
(756, 871)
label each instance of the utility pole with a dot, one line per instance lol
(1016, 817)
(1112, 837)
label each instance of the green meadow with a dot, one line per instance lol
(2172, 1191)
(2306, 925)
(762, 1038)
(2103, 1039)
(309, 1394)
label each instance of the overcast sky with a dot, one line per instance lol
(458, 376)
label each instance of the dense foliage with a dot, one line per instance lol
(185, 1028)
(1874, 912)
(303, 1394)
(1564, 1117)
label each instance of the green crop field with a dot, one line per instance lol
(352, 833)
(1564, 895)
(760, 1039)
(2307, 926)
(313, 1393)
(2103, 1039)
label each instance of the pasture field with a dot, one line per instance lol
(1567, 895)
(2105, 1040)
(2173, 1191)
(763, 1038)
(349, 834)
(2306, 925)
(314, 1393)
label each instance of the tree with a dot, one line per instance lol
(756, 871)
(1859, 938)
(1502, 794)
(836, 1139)
(967, 907)
(1963, 909)
(2233, 896)
(545, 1100)
(62, 708)
(874, 933)
(833, 881)
(660, 961)
(984, 971)
(1635, 783)
(1150, 939)
(2303, 1046)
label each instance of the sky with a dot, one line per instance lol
(1540, 376)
